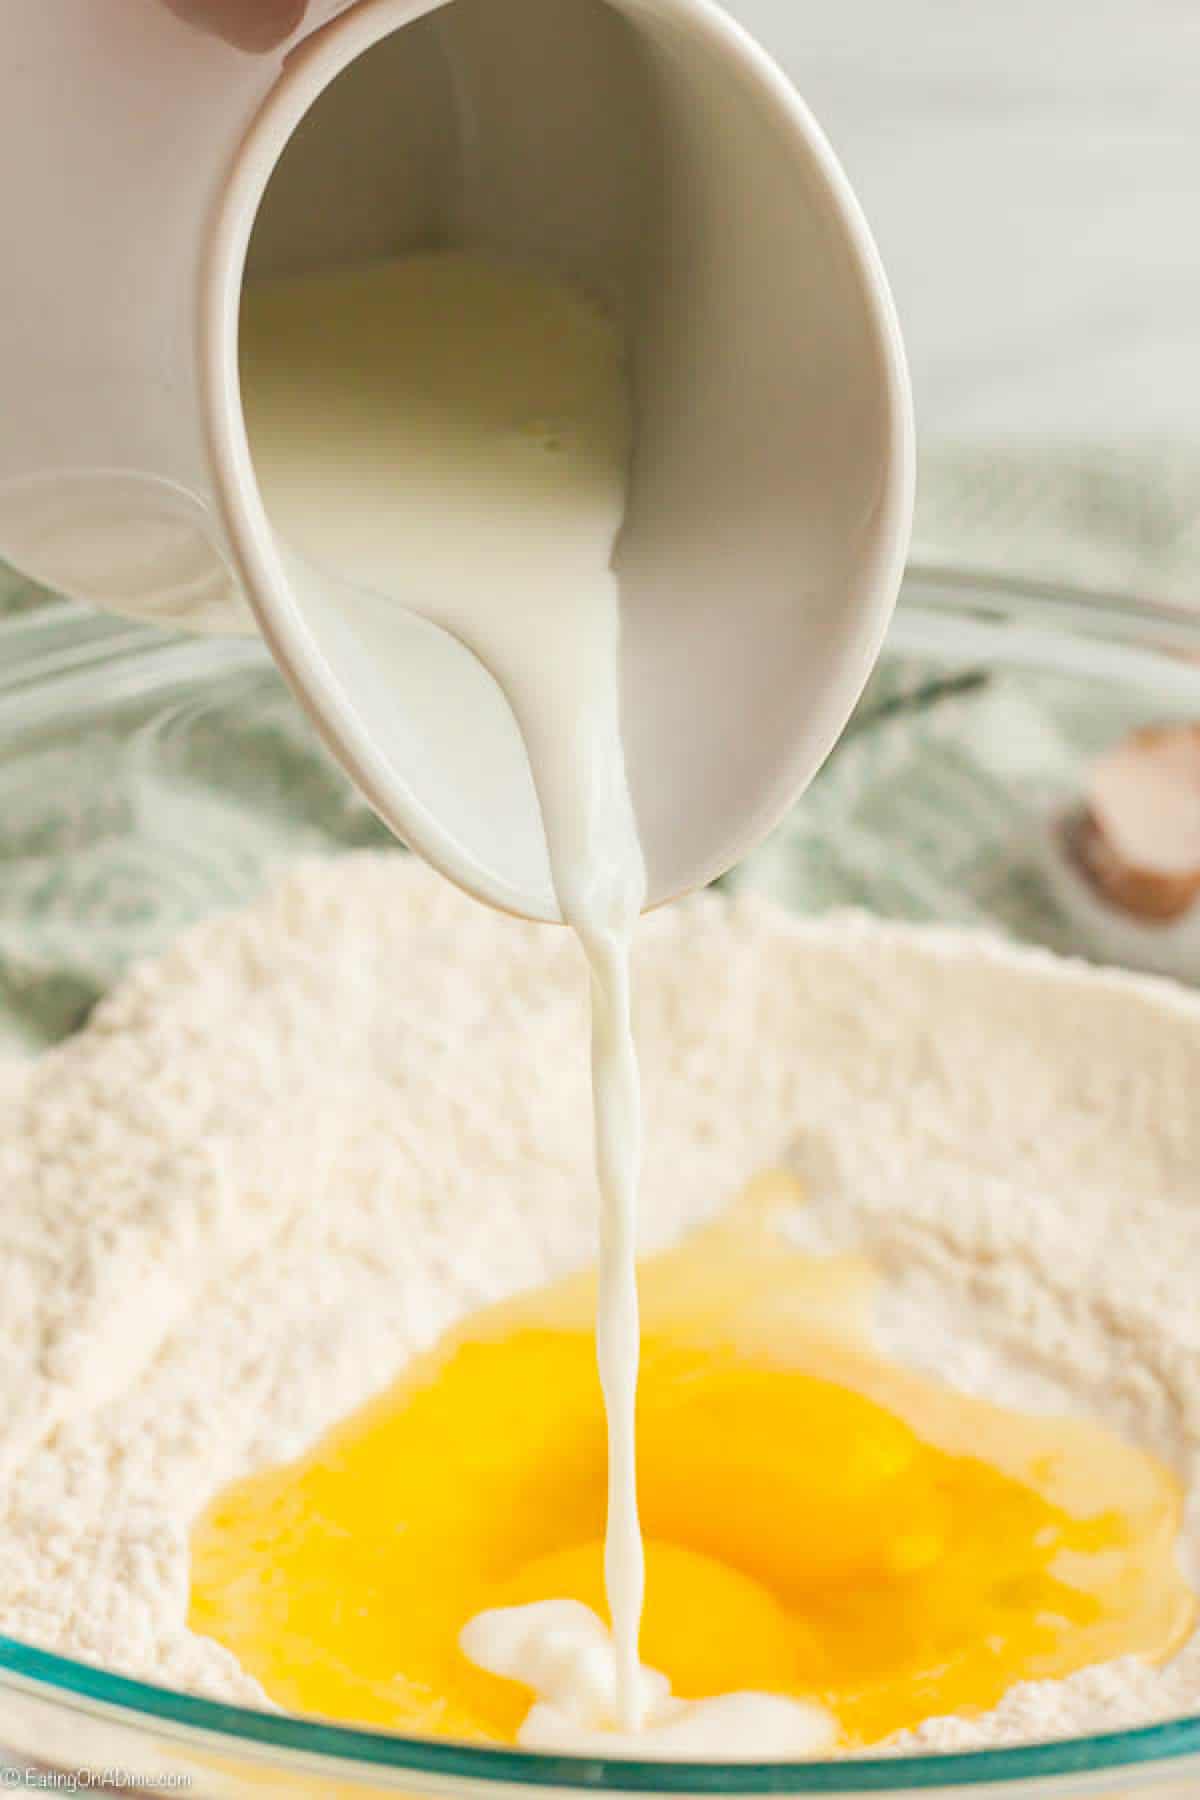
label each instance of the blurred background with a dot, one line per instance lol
(1031, 170)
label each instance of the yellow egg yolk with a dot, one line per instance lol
(819, 1522)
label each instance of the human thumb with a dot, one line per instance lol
(249, 24)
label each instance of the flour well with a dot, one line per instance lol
(285, 1156)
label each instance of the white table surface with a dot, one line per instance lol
(1032, 172)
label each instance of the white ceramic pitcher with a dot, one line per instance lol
(646, 146)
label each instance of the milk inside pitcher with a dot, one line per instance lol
(645, 148)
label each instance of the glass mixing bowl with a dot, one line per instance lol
(146, 781)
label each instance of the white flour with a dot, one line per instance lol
(286, 1155)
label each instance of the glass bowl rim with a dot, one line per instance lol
(204, 1719)
(983, 614)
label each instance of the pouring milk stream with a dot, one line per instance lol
(464, 431)
(463, 434)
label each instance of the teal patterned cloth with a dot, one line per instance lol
(146, 781)
(1111, 518)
